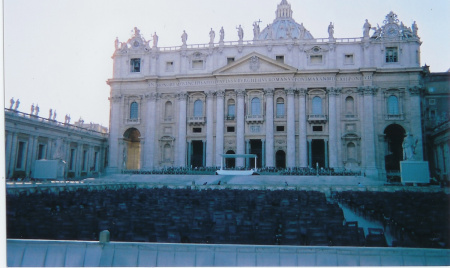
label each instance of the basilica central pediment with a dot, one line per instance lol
(255, 63)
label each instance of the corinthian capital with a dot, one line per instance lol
(220, 93)
(210, 94)
(415, 90)
(240, 92)
(182, 96)
(268, 92)
(290, 91)
(302, 91)
(115, 98)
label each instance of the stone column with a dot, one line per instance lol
(240, 126)
(326, 153)
(189, 155)
(310, 153)
(263, 154)
(269, 155)
(247, 151)
(8, 155)
(78, 163)
(114, 165)
(369, 134)
(150, 131)
(332, 127)
(415, 117)
(181, 141)
(209, 129)
(205, 148)
(29, 154)
(302, 147)
(290, 128)
(219, 125)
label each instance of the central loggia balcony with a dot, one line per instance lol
(196, 120)
(394, 117)
(254, 118)
(317, 118)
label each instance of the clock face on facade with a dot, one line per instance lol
(136, 44)
(391, 30)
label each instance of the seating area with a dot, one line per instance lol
(212, 216)
(414, 219)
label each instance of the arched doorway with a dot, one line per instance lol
(230, 162)
(132, 149)
(280, 159)
(394, 135)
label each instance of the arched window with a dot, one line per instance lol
(351, 151)
(280, 107)
(168, 110)
(198, 108)
(349, 105)
(134, 110)
(393, 105)
(231, 109)
(317, 105)
(256, 106)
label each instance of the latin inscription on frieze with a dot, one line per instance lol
(258, 80)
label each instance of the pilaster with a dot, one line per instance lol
(269, 144)
(240, 126)
(290, 128)
(219, 125)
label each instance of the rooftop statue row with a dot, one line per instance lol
(283, 27)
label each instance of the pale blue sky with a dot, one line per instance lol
(57, 53)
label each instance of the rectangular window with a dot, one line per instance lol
(279, 59)
(135, 65)
(315, 59)
(317, 128)
(231, 112)
(230, 60)
(391, 54)
(169, 66)
(280, 128)
(72, 159)
(20, 155)
(41, 151)
(197, 64)
(197, 130)
(280, 110)
(348, 59)
(230, 129)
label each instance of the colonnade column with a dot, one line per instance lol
(8, 155)
(113, 162)
(240, 126)
(269, 129)
(209, 129)
(263, 154)
(310, 154)
(181, 142)
(189, 154)
(369, 134)
(332, 127)
(290, 128)
(219, 125)
(150, 118)
(204, 152)
(247, 151)
(302, 147)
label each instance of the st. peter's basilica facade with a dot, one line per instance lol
(291, 98)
